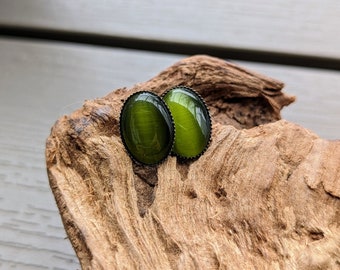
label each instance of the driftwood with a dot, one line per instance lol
(265, 195)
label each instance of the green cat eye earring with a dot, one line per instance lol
(147, 128)
(192, 121)
(148, 124)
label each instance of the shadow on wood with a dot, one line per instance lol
(265, 195)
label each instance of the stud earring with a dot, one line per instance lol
(192, 121)
(147, 128)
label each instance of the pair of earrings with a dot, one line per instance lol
(152, 127)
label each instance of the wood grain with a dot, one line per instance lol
(261, 197)
(39, 82)
(317, 103)
(302, 27)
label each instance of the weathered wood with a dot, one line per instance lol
(316, 107)
(301, 27)
(264, 195)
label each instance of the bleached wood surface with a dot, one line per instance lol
(295, 26)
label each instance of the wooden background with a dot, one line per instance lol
(42, 78)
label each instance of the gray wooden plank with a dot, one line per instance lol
(41, 81)
(292, 26)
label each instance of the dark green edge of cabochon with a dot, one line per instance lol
(183, 158)
(171, 135)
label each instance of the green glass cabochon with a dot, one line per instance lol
(192, 121)
(147, 128)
